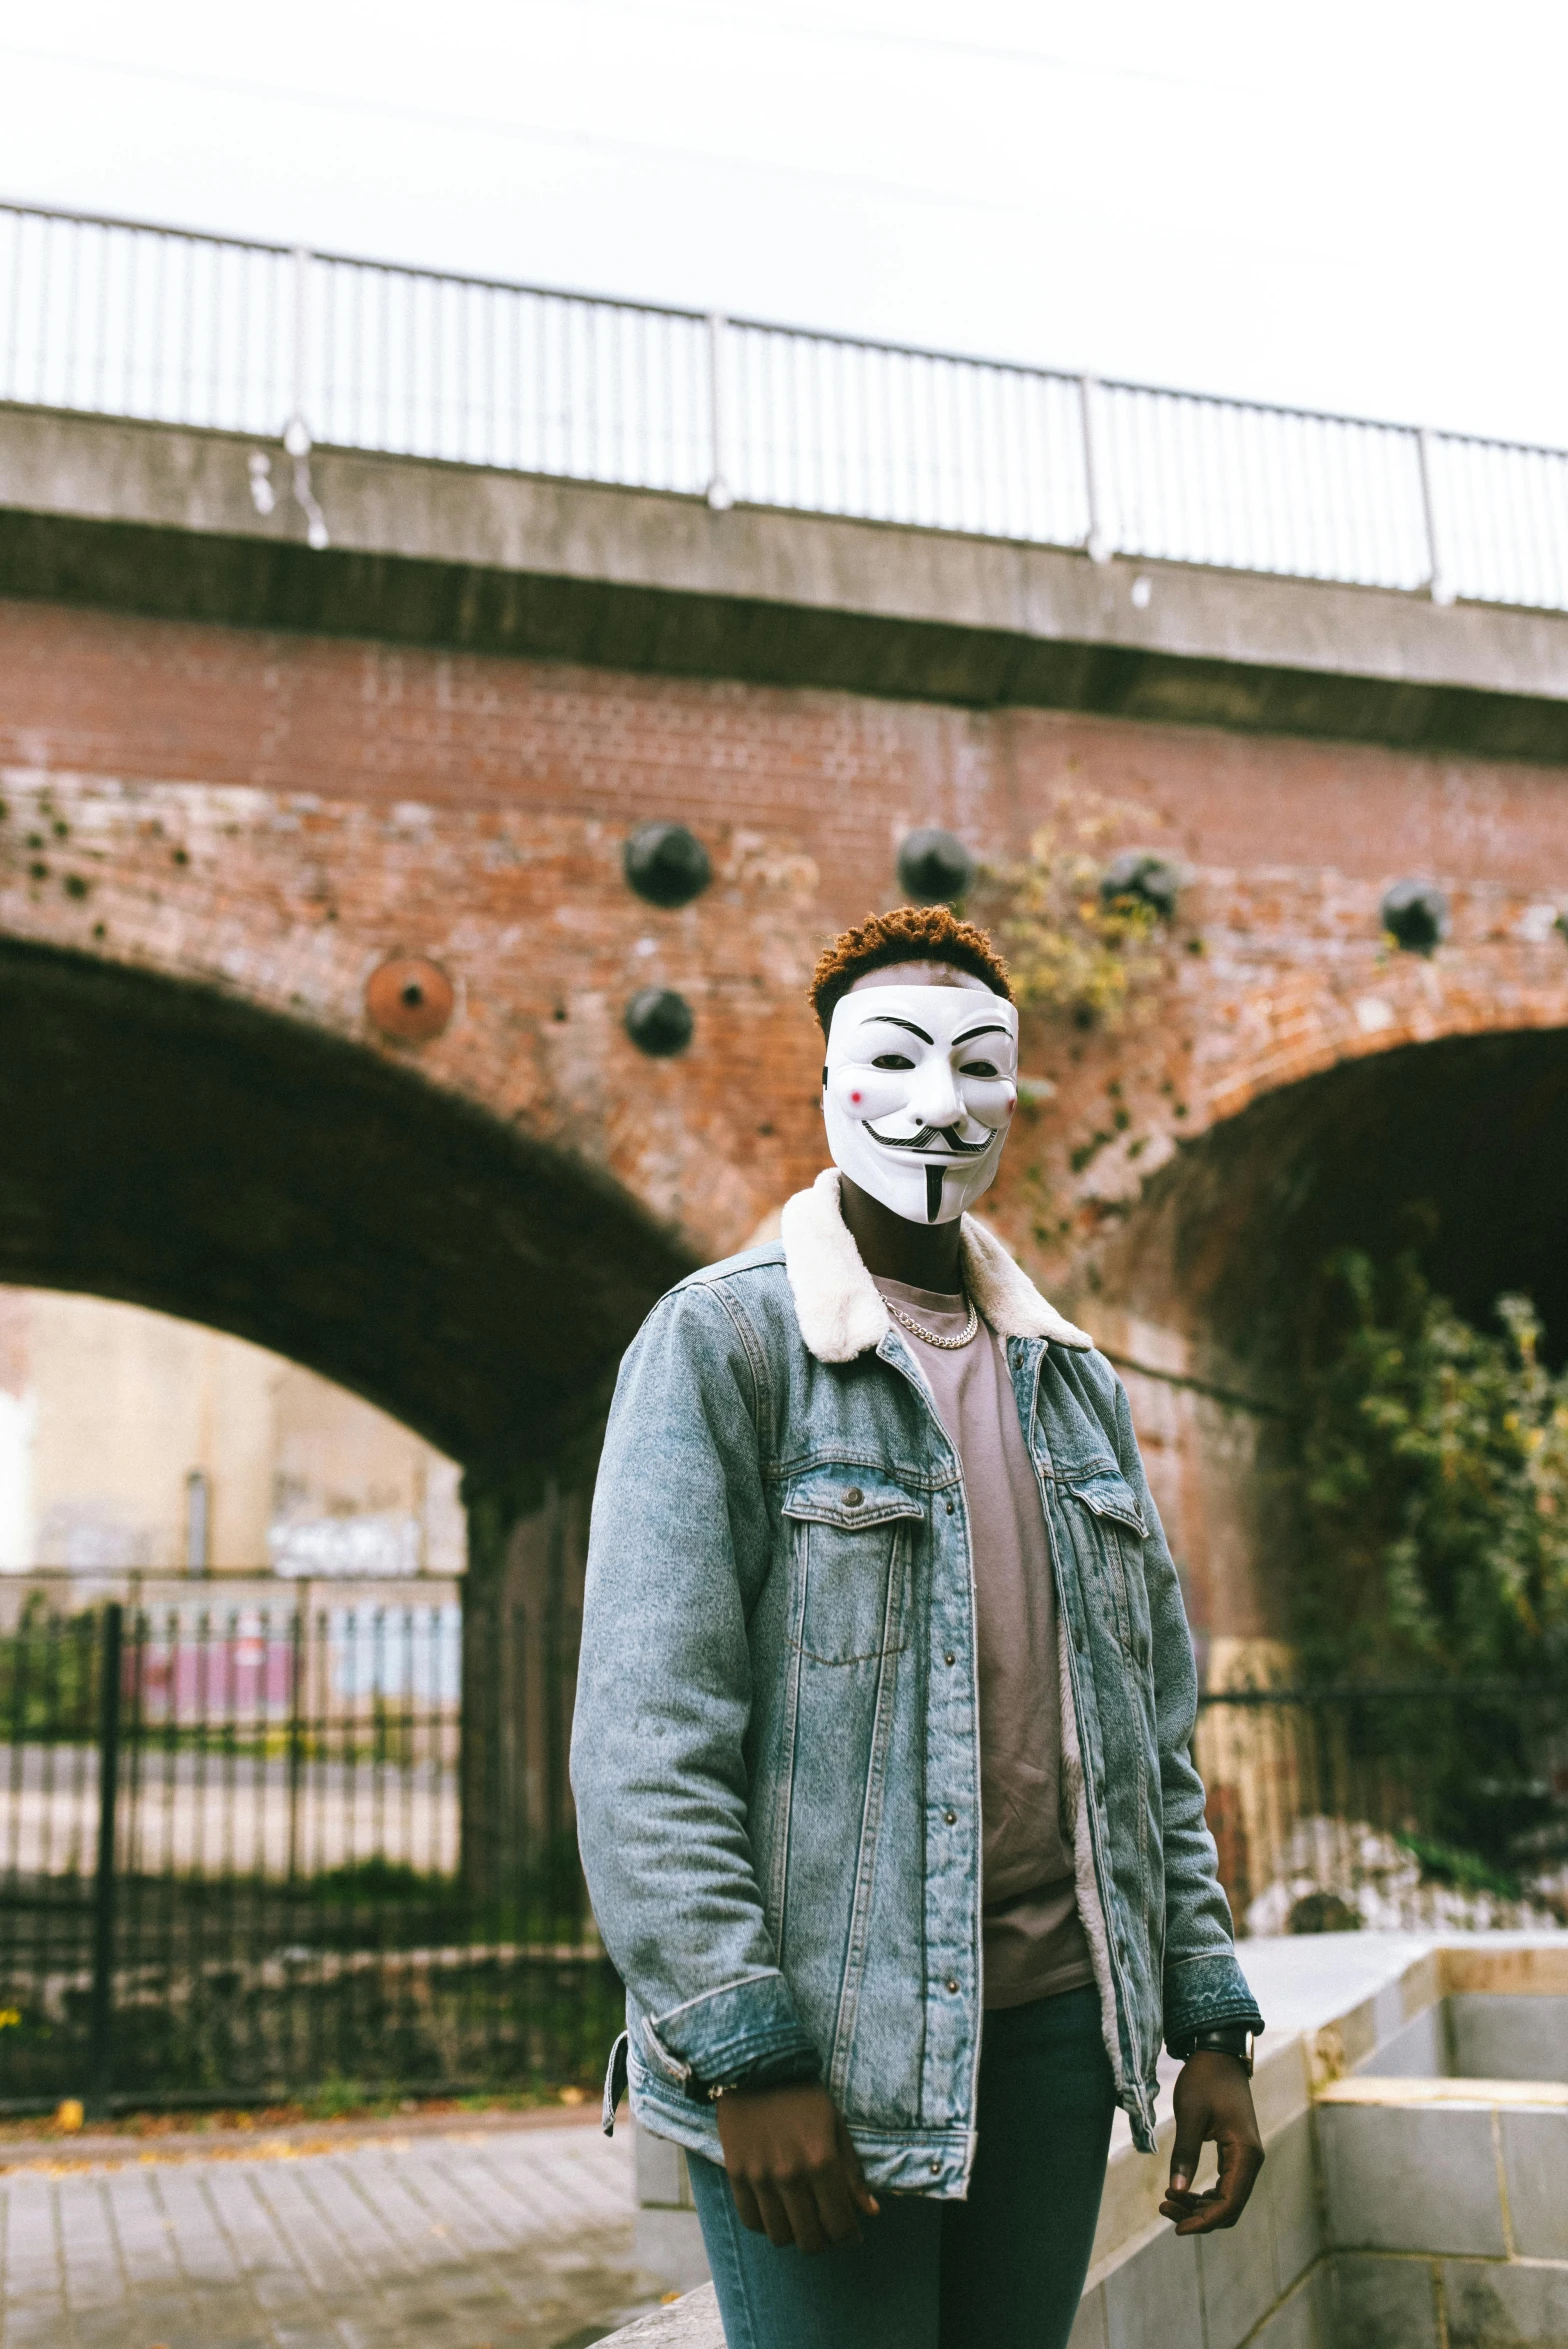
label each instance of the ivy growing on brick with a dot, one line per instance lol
(1072, 948)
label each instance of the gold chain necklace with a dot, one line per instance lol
(948, 1345)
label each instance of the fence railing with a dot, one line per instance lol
(1419, 1806)
(124, 319)
(256, 1840)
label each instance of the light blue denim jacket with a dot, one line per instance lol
(776, 1753)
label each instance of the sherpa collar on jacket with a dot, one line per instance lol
(840, 1308)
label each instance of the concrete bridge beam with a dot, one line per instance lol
(157, 519)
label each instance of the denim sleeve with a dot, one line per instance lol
(1203, 1983)
(677, 1549)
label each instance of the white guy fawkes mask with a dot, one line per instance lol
(918, 1092)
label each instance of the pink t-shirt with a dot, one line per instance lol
(1034, 1942)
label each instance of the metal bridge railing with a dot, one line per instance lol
(118, 318)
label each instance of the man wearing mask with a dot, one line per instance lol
(883, 1711)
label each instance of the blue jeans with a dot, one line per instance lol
(1003, 2270)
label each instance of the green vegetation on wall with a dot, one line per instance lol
(1071, 948)
(1435, 1477)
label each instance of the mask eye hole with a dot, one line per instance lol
(979, 1068)
(892, 1060)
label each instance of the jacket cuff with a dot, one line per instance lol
(1203, 1992)
(748, 2030)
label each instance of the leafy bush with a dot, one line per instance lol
(49, 1666)
(1467, 1871)
(377, 1878)
(1435, 1475)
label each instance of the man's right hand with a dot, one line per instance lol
(793, 2171)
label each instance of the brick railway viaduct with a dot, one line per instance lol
(240, 776)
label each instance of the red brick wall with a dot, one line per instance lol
(339, 801)
(103, 694)
(276, 814)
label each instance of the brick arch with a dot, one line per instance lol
(1259, 1063)
(185, 1149)
(1330, 1086)
(1304, 996)
(1207, 1293)
(288, 902)
(1267, 979)
(1455, 1143)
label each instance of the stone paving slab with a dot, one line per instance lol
(243, 2137)
(517, 2239)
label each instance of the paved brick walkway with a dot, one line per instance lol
(516, 2240)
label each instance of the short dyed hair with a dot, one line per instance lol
(910, 933)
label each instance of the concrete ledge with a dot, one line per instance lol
(691, 2323)
(158, 520)
(1372, 2089)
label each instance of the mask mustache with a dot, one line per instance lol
(947, 1135)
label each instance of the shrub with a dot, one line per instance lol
(1435, 1476)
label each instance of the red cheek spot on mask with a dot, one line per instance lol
(854, 1096)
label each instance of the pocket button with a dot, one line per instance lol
(853, 1497)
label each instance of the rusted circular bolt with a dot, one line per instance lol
(666, 864)
(1415, 913)
(1145, 877)
(409, 999)
(934, 867)
(659, 1022)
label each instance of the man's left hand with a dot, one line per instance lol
(1212, 2100)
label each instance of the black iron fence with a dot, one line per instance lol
(1418, 1806)
(260, 1840)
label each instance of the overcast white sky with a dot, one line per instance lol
(1356, 204)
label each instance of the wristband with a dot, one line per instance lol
(1222, 2039)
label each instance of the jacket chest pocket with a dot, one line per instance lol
(852, 1536)
(1116, 1526)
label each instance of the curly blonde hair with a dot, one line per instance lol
(910, 933)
